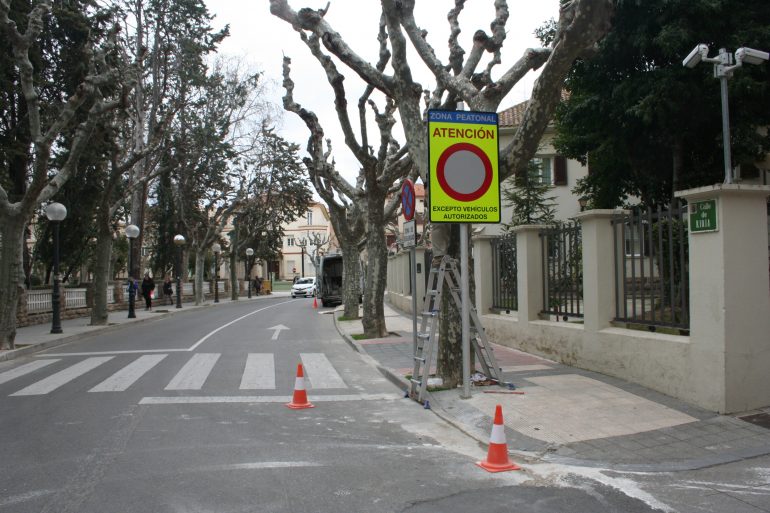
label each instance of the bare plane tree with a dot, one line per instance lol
(376, 183)
(581, 24)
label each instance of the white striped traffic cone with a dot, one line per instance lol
(299, 400)
(497, 455)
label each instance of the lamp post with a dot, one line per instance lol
(723, 69)
(132, 232)
(582, 201)
(56, 213)
(179, 242)
(302, 244)
(249, 254)
(217, 248)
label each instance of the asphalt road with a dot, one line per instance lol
(187, 413)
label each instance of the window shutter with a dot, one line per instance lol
(559, 170)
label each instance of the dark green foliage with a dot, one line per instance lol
(59, 60)
(527, 194)
(647, 125)
(278, 194)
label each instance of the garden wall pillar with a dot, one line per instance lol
(730, 296)
(529, 262)
(599, 280)
(482, 272)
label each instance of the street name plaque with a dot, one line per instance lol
(703, 216)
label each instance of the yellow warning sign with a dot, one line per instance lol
(464, 182)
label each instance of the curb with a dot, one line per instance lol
(403, 385)
(546, 456)
(66, 339)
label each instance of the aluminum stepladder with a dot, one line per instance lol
(444, 269)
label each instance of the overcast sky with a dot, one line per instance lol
(262, 40)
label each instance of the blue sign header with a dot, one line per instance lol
(462, 116)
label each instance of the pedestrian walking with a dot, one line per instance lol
(168, 290)
(148, 285)
(258, 285)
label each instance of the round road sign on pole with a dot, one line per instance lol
(407, 199)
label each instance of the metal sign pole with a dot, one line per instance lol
(413, 278)
(465, 311)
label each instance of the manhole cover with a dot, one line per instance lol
(760, 419)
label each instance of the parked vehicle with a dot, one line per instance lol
(330, 280)
(304, 287)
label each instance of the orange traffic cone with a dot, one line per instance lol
(315, 302)
(299, 400)
(497, 456)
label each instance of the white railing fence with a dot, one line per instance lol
(39, 301)
(75, 298)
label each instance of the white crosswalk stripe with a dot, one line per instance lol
(320, 371)
(259, 372)
(22, 370)
(194, 373)
(128, 375)
(63, 377)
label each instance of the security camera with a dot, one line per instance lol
(751, 56)
(696, 56)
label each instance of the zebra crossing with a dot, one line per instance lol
(258, 373)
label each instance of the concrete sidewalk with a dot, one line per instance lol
(30, 339)
(573, 416)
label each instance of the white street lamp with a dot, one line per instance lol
(56, 213)
(132, 232)
(249, 254)
(723, 69)
(179, 241)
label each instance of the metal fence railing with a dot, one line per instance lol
(562, 250)
(504, 279)
(651, 266)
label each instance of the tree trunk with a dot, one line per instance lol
(376, 273)
(450, 350)
(11, 277)
(351, 278)
(233, 277)
(102, 260)
(200, 256)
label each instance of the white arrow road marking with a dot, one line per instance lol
(278, 330)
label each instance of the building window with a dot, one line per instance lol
(634, 240)
(552, 170)
(544, 169)
(290, 241)
(309, 217)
